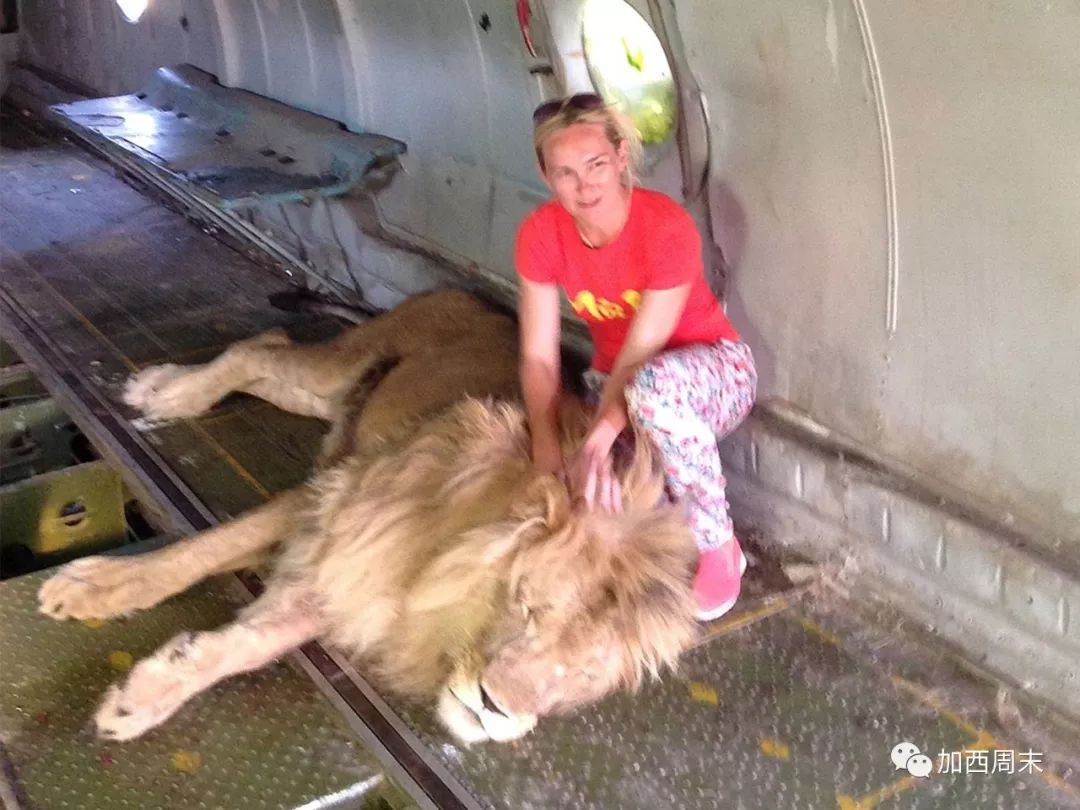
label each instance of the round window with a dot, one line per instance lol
(628, 66)
(132, 9)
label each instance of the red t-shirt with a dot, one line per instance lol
(658, 248)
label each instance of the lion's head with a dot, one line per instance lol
(456, 572)
(592, 603)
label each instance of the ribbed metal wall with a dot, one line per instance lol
(900, 194)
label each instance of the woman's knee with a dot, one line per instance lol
(657, 399)
(646, 394)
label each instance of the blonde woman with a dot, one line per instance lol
(666, 357)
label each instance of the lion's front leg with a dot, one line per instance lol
(106, 586)
(159, 685)
(170, 391)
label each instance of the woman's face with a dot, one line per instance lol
(585, 171)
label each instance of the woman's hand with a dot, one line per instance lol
(591, 473)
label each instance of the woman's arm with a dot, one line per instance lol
(540, 370)
(653, 325)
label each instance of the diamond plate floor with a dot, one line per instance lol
(793, 701)
(264, 740)
(776, 714)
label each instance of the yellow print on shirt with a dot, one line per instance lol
(601, 309)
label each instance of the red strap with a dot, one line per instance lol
(523, 14)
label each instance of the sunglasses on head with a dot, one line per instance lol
(579, 103)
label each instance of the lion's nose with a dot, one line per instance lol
(488, 703)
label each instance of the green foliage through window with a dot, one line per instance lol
(628, 66)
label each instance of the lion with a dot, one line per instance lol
(425, 546)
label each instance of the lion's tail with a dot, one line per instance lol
(301, 299)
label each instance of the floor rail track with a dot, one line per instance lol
(167, 497)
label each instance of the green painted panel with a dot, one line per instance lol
(78, 509)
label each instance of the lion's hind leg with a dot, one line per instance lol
(169, 391)
(279, 621)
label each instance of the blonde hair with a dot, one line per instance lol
(618, 129)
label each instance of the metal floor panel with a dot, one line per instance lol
(264, 740)
(772, 715)
(786, 706)
(234, 148)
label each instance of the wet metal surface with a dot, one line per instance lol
(238, 149)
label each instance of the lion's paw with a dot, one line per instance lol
(165, 392)
(142, 385)
(152, 693)
(98, 588)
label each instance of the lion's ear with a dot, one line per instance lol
(544, 497)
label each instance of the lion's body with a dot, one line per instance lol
(399, 521)
(422, 534)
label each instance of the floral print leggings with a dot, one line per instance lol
(684, 401)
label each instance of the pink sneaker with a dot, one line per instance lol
(718, 580)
